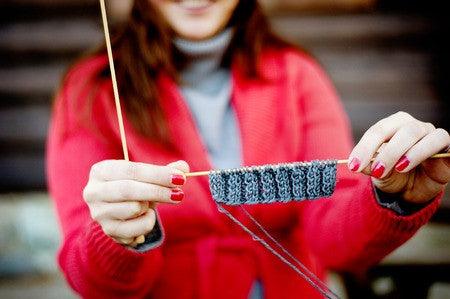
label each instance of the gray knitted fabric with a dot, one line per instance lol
(273, 183)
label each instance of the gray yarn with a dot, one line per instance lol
(251, 187)
(219, 183)
(312, 277)
(307, 275)
(282, 178)
(329, 179)
(313, 181)
(268, 186)
(298, 176)
(234, 188)
(274, 183)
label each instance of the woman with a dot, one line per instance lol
(206, 85)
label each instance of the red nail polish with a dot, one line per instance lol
(402, 163)
(178, 179)
(176, 194)
(377, 170)
(354, 164)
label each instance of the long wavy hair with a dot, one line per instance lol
(143, 48)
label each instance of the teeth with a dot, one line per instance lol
(193, 4)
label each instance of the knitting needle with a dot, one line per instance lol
(140, 239)
(207, 172)
(114, 81)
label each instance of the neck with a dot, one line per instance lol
(203, 57)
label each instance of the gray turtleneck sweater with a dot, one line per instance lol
(206, 88)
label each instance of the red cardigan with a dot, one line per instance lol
(294, 115)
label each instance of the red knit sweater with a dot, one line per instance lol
(294, 115)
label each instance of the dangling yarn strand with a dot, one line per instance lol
(322, 290)
(287, 253)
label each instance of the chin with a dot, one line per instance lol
(196, 19)
(197, 30)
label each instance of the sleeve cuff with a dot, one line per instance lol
(115, 260)
(395, 203)
(388, 221)
(153, 239)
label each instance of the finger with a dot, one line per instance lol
(119, 210)
(367, 170)
(133, 244)
(136, 241)
(437, 169)
(431, 144)
(179, 179)
(180, 165)
(373, 138)
(423, 192)
(408, 135)
(131, 228)
(112, 170)
(128, 190)
(140, 239)
(125, 241)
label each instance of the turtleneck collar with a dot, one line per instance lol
(215, 46)
(204, 57)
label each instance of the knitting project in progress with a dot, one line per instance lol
(274, 183)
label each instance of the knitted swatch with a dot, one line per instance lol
(273, 183)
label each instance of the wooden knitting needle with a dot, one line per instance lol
(140, 239)
(207, 172)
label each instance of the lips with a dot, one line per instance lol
(195, 5)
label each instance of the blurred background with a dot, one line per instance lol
(383, 56)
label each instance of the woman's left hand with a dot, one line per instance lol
(401, 145)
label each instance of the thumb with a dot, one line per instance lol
(180, 165)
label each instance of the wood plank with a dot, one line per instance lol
(365, 113)
(29, 123)
(433, 238)
(22, 172)
(31, 80)
(349, 27)
(48, 3)
(55, 35)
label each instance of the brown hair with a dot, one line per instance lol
(143, 48)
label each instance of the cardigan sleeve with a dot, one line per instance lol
(351, 230)
(94, 265)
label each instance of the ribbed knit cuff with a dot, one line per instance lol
(113, 259)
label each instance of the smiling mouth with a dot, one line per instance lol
(195, 6)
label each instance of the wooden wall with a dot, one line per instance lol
(380, 63)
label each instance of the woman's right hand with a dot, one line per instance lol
(122, 195)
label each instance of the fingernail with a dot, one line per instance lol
(177, 194)
(402, 163)
(354, 164)
(178, 179)
(377, 170)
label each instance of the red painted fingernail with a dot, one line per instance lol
(402, 163)
(354, 164)
(178, 179)
(177, 194)
(377, 170)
